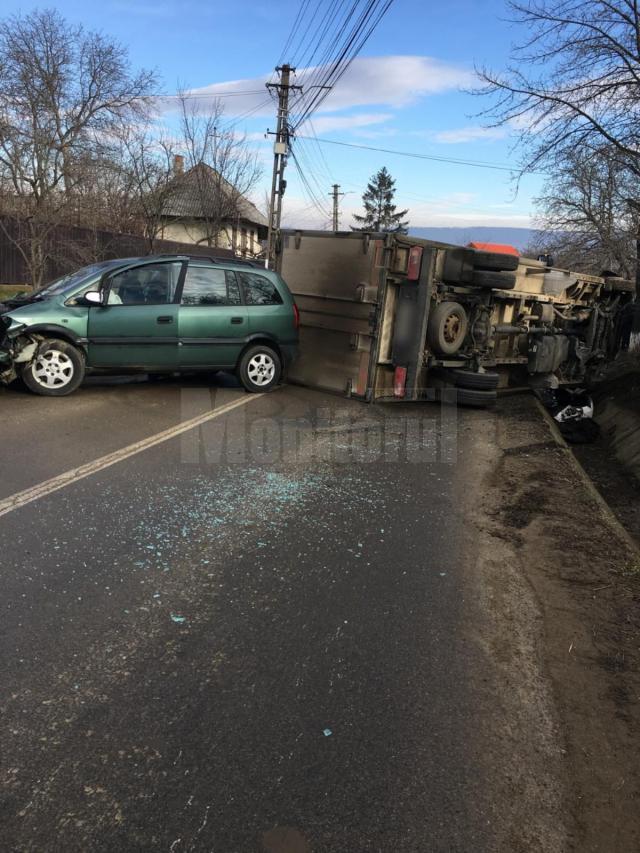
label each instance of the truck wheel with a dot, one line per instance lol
(494, 280)
(496, 261)
(447, 328)
(56, 370)
(260, 369)
(470, 379)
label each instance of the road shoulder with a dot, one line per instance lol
(547, 552)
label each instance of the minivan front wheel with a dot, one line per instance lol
(56, 370)
(260, 368)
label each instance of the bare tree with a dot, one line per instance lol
(63, 92)
(586, 220)
(574, 84)
(574, 80)
(148, 158)
(222, 167)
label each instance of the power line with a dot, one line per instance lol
(301, 12)
(335, 62)
(337, 39)
(249, 113)
(194, 95)
(318, 204)
(304, 148)
(325, 38)
(434, 157)
(323, 159)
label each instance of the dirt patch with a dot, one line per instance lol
(584, 583)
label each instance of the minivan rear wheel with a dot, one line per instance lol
(260, 369)
(57, 369)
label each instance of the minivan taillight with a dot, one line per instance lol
(296, 317)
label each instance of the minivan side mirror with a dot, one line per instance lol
(94, 297)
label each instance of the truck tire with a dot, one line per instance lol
(495, 261)
(447, 328)
(471, 379)
(259, 369)
(57, 369)
(494, 280)
(457, 267)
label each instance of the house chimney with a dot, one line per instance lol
(178, 165)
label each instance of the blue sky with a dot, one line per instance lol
(404, 92)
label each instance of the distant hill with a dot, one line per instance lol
(518, 237)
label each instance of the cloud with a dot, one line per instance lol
(394, 81)
(391, 81)
(469, 134)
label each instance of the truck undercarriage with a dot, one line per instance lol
(390, 317)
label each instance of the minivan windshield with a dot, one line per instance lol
(69, 282)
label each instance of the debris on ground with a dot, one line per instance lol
(573, 411)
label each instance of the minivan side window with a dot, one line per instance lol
(210, 286)
(258, 290)
(151, 284)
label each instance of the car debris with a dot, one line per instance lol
(573, 410)
(16, 348)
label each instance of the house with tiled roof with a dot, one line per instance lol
(203, 208)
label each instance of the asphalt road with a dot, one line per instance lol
(249, 637)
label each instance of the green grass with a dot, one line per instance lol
(9, 290)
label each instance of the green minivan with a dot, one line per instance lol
(157, 314)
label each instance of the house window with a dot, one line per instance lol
(243, 241)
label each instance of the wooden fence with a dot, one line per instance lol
(70, 247)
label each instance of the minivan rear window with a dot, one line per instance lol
(258, 290)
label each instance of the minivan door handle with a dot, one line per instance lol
(165, 319)
(237, 320)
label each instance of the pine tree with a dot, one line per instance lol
(380, 213)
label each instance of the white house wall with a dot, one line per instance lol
(192, 231)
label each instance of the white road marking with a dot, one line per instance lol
(41, 490)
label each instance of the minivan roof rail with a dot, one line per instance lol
(214, 259)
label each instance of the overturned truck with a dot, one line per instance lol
(392, 317)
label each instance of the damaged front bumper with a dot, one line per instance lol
(16, 349)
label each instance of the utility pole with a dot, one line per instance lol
(280, 152)
(336, 195)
